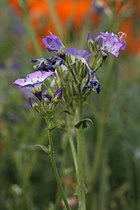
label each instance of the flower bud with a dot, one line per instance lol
(33, 103)
(53, 44)
(92, 44)
(58, 95)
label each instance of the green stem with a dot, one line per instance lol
(55, 167)
(30, 28)
(54, 17)
(72, 146)
(81, 190)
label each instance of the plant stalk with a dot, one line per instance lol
(51, 147)
(80, 175)
(30, 29)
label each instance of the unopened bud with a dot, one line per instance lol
(58, 94)
(92, 44)
(33, 103)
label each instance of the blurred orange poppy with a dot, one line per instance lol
(130, 25)
(76, 11)
(66, 11)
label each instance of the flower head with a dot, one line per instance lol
(34, 81)
(48, 64)
(53, 44)
(111, 43)
(79, 53)
(93, 84)
(42, 64)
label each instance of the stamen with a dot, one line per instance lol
(122, 34)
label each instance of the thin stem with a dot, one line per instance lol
(72, 146)
(30, 28)
(81, 190)
(55, 167)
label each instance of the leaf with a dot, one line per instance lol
(84, 123)
(67, 112)
(44, 148)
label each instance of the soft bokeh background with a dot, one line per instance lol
(112, 143)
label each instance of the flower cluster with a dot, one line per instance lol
(68, 70)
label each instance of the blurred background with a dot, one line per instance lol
(113, 143)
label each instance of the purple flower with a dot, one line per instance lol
(55, 61)
(42, 64)
(93, 84)
(34, 81)
(53, 44)
(111, 43)
(90, 37)
(48, 64)
(79, 53)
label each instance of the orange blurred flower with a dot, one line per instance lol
(69, 11)
(76, 11)
(130, 26)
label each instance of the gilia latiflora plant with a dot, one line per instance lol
(62, 84)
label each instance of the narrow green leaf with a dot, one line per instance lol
(84, 123)
(44, 148)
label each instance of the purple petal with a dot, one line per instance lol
(123, 44)
(90, 37)
(72, 51)
(20, 82)
(111, 43)
(78, 53)
(53, 43)
(33, 78)
(58, 93)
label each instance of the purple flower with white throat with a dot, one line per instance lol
(111, 43)
(34, 81)
(79, 53)
(53, 44)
